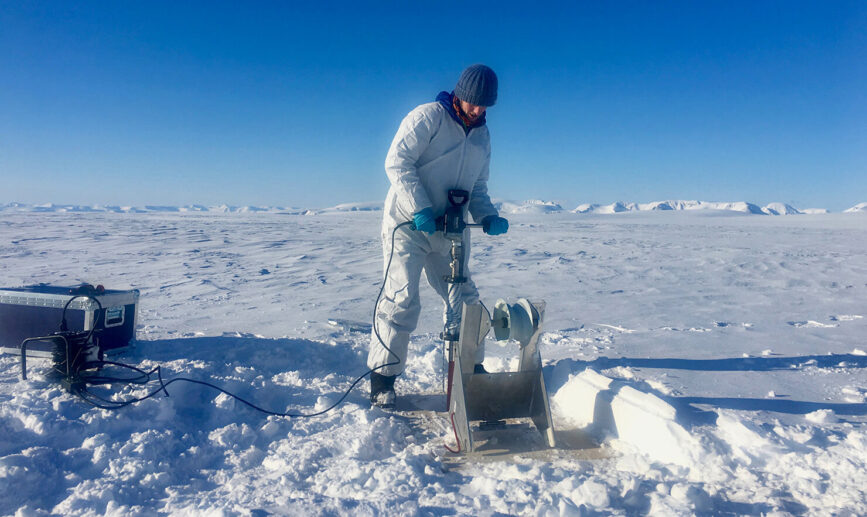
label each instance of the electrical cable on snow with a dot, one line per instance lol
(145, 377)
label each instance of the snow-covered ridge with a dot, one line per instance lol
(533, 206)
(538, 206)
(738, 206)
(224, 208)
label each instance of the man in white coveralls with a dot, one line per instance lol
(440, 146)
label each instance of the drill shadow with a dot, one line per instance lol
(435, 402)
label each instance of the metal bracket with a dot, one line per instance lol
(503, 395)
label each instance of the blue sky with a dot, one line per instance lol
(287, 103)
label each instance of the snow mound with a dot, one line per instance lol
(780, 209)
(640, 421)
(616, 208)
(585, 208)
(860, 207)
(532, 206)
(194, 208)
(671, 205)
(372, 206)
(739, 206)
(731, 450)
(228, 209)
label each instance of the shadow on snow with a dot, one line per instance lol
(686, 408)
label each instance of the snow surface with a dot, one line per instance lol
(718, 359)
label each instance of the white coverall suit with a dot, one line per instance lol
(431, 154)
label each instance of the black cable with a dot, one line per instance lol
(145, 377)
(63, 326)
(142, 378)
(378, 296)
(84, 393)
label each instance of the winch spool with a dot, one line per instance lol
(516, 321)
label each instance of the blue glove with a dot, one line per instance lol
(424, 221)
(495, 225)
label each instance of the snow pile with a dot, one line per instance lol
(860, 207)
(243, 209)
(642, 420)
(616, 208)
(780, 209)
(667, 205)
(373, 206)
(533, 206)
(729, 455)
(356, 207)
(585, 208)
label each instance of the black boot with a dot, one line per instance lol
(382, 390)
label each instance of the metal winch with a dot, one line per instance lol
(489, 398)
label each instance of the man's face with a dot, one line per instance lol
(472, 111)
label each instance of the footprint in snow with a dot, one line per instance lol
(846, 317)
(811, 324)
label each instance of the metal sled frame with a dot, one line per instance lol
(492, 397)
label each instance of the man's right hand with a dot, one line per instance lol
(424, 221)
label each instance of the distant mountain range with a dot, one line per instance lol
(226, 209)
(506, 207)
(537, 206)
(619, 206)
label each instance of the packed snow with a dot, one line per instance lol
(698, 361)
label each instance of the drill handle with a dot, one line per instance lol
(458, 197)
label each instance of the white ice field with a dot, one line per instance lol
(698, 362)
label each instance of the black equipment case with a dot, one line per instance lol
(36, 311)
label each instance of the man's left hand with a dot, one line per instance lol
(495, 225)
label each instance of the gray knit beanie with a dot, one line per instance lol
(477, 85)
